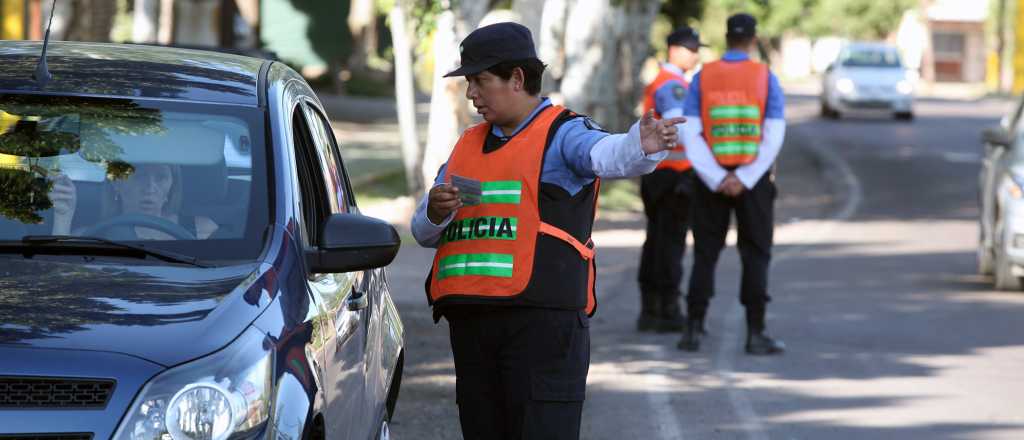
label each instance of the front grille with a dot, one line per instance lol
(41, 392)
(68, 436)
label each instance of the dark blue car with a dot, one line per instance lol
(181, 254)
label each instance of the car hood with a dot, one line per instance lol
(874, 76)
(164, 314)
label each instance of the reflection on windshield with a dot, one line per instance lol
(122, 170)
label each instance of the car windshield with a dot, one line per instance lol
(183, 177)
(871, 57)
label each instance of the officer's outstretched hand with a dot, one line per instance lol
(658, 134)
(442, 200)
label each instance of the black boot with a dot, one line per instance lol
(671, 317)
(691, 335)
(650, 307)
(759, 343)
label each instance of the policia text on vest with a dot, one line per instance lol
(513, 275)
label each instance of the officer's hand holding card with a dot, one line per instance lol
(470, 191)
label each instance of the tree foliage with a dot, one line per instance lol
(855, 19)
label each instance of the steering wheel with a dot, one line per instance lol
(142, 220)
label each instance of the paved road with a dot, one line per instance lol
(891, 333)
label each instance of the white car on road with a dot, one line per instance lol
(868, 76)
(1001, 195)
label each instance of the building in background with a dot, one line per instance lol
(958, 49)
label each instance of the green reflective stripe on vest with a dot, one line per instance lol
(735, 130)
(480, 228)
(491, 265)
(735, 111)
(735, 148)
(502, 191)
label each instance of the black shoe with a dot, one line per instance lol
(691, 336)
(671, 318)
(759, 343)
(650, 306)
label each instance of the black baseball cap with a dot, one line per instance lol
(741, 25)
(492, 44)
(685, 36)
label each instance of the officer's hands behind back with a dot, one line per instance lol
(658, 134)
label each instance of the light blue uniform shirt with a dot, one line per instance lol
(671, 94)
(774, 108)
(567, 162)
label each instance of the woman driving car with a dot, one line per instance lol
(152, 193)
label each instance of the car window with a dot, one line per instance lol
(195, 173)
(314, 198)
(864, 57)
(324, 139)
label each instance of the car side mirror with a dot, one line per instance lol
(352, 242)
(996, 136)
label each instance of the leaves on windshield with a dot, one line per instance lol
(36, 130)
(24, 195)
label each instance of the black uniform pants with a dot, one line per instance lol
(754, 210)
(666, 195)
(521, 373)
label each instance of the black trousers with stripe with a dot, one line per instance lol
(521, 372)
(754, 210)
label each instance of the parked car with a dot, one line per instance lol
(868, 76)
(1001, 196)
(182, 256)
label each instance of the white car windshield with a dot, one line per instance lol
(871, 57)
(185, 177)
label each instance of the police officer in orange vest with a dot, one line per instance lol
(739, 106)
(511, 214)
(666, 194)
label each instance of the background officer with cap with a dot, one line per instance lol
(666, 194)
(736, 129)
(510, 214)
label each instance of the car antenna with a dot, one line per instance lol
(42, 74)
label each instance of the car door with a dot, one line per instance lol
(369, 283)
(992, 167)
(342, 312)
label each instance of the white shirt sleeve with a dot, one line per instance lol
(697, 150)
(620, 155)
(773, 134)
(426, 233)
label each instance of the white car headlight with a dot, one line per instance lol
(846, 86)
(1013, 186)
(904, 87)
(217, 397)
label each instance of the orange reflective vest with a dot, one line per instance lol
(676, 159)
(488, 252)
(733, 97)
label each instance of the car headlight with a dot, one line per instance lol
(222, 396)
(904, 87)
(846, 86)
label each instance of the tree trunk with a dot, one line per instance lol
(550, 40)
(528, 16)
(443, 125)
(165, 29)
(449, 111)
(144, 21)
(604, 50)
(196, 23)
(362, 22)
(405, 99)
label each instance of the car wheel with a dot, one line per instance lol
(1004, 278)
(827, 111)
(904, 116)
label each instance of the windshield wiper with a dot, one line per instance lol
(86, 244)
